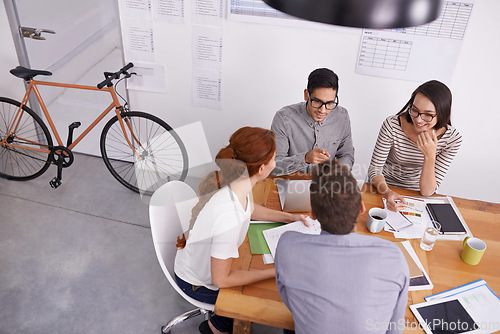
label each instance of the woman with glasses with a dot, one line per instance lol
(415, 147)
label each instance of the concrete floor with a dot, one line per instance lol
(80, 259)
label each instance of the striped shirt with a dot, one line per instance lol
(400, 161)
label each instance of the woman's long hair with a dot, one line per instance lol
(248, 149)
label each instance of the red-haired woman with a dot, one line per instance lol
(221, 218)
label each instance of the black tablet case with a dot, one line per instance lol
(445, 215)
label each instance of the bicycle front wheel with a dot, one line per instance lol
(153, 154)
(25, 150)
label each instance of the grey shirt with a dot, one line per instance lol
(342, 283)
(297, 133)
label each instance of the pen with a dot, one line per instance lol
(430, 216)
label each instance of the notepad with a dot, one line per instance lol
(445, 214)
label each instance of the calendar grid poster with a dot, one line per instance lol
(418, 53)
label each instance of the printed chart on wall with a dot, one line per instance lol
(257, 11)
(419, 53)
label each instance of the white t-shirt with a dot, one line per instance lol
(218, 232)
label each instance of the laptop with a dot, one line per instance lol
(294, 195)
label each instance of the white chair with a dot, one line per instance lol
(169, 215)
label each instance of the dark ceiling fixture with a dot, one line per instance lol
(376, 14)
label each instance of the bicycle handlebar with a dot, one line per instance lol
(110, 76)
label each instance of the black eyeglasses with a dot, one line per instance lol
(317, 104)
(423, 116)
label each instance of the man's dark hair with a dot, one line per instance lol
(335, 197)
(322, 78)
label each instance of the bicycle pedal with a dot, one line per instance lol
(55, 182)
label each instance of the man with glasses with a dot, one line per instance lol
(310, 132)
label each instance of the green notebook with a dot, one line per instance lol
(258, 244)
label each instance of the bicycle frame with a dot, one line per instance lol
(32, 87)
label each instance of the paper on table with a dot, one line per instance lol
(412, 265)
(267, 258)
(395, 220)
(416, 231)
(423, 283)
(273, 235)
(455, 291)
(415, 204)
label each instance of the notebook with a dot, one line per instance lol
(294, 195)
(447, 218)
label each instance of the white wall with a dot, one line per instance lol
(9, 85)
(265, 67)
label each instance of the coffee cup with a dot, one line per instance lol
(376, 220)
(473, 250)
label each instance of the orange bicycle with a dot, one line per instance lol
(140, 150)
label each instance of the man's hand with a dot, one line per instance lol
(317, 156)
(427, 144)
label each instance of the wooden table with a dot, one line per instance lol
(260, 302)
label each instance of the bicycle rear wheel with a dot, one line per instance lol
(158, 156)
(22, 162)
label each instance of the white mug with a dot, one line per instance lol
(376, 220)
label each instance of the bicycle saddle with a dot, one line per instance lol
(26, 73)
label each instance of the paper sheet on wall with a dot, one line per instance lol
(150, 77)
(207, 47)
(171, 11)
(418, 53)
(208, 12)
(207, 87)
(138, 43)
(135, 9)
